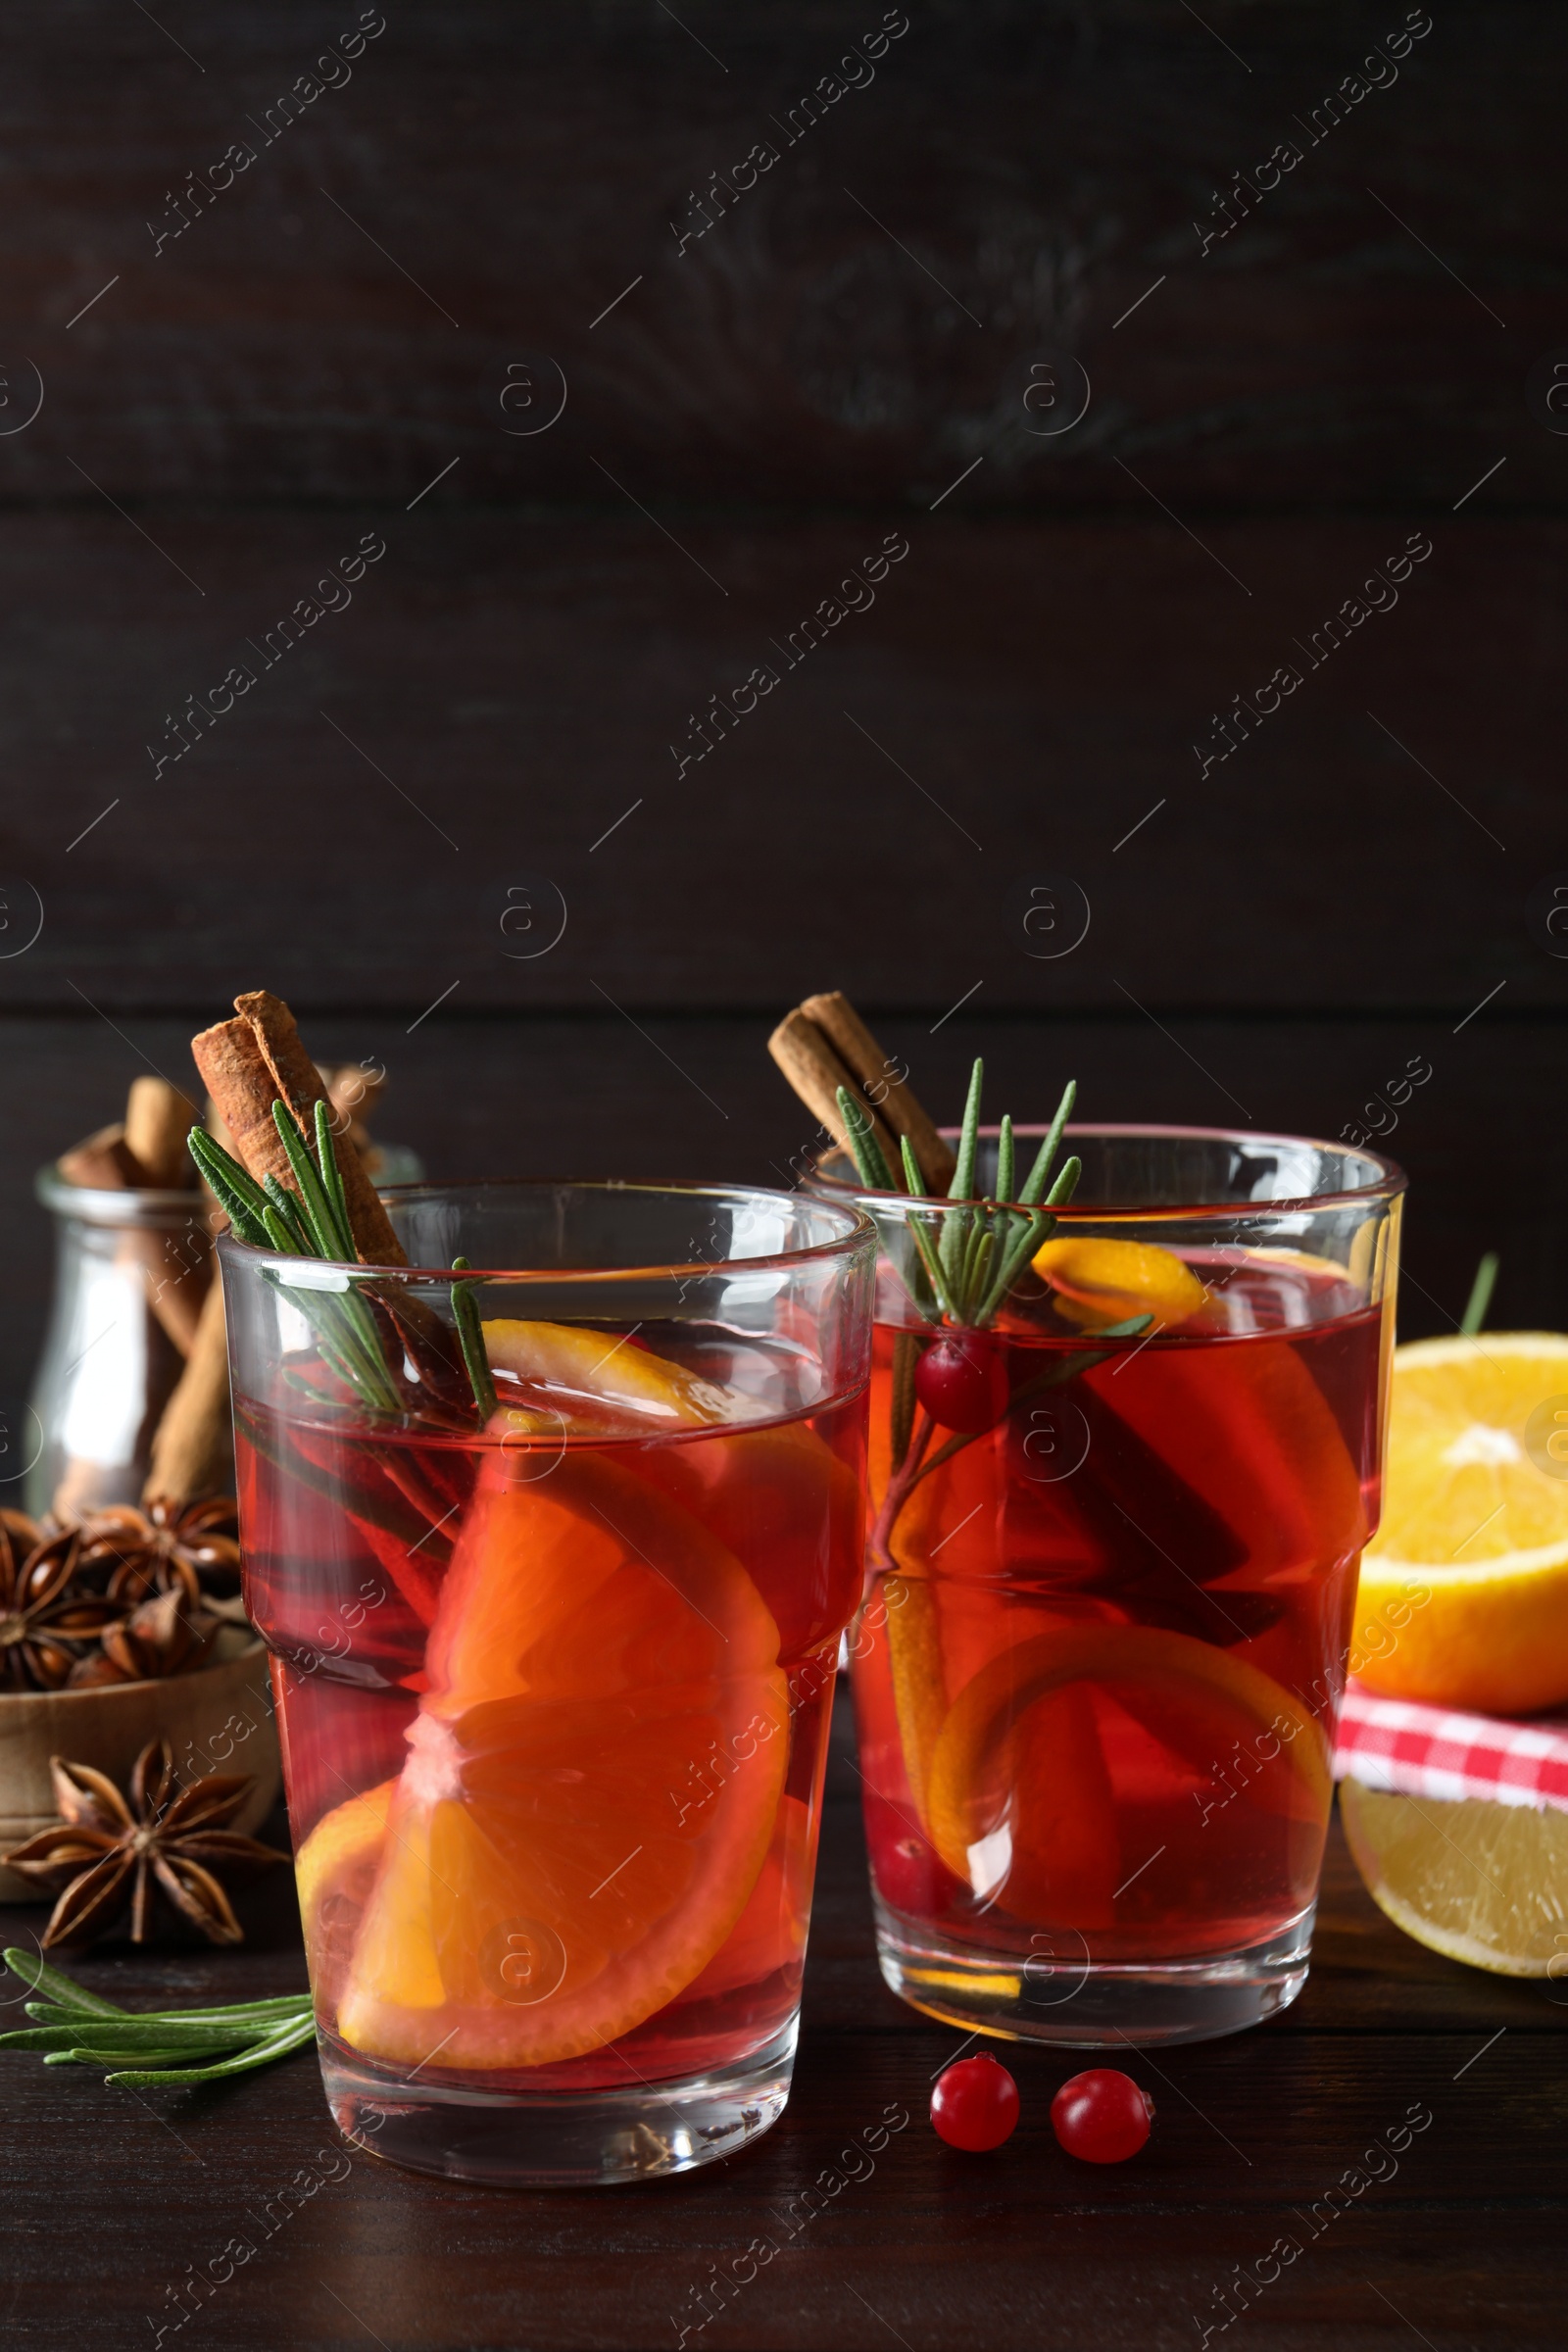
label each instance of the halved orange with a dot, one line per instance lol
(1463, 1599)
(994, 1797)
(594, 1779)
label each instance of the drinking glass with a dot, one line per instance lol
(554, 1668)
(1112, 1563)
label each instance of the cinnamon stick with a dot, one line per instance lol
(158, 1120)
(256, 1060)
(354, 1093)
(849, 1034)
(814, 1070)
(190, 1454)
(140, 1153)
(101, 1163)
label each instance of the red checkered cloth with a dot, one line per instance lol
(1429, 1751)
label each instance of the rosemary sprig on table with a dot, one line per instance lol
(76, 2027)
(972, 1256)
(314, 1223)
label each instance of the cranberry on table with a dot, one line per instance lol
(975, 2104)
(1101, 2116)
(962, 1382)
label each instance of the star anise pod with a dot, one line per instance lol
(109, 1852)
(46, 1624)
(161, 1636)
(131, 1554)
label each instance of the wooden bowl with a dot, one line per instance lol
(217, 1719)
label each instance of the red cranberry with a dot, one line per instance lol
(1101, 2116)
(962, 1383)
(909, 1877)
(975, 2104)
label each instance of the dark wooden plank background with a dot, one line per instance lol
(1462, 2248)
(319, 356)
(226, 413)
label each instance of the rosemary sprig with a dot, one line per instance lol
(869, 1158)
(314, 1222)
(1479, 1300)
(969, 1256)
(470, 1339)
(77, 2027)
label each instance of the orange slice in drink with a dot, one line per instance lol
(1009, 1746)
(772, 1492)
(588, 1375)
(1099, 1282)
(593, 1780)
(334, 1870)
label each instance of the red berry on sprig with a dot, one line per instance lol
(962, 1381)
(1101, 2116)
(975, 2104)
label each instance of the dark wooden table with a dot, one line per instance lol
(113, 2202)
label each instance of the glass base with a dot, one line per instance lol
(559, 2139)
(1055, 1996)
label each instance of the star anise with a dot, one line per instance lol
(110, 1851)
(161, 1636)
(131, 1554)
(46, 1623)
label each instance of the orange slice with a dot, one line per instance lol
(334, 1870)
(996, 1775)
(774, 1494)
(593, 1780)
(1463, 1599)
(581, 1373)
(1101, 1282)
(771, 1933)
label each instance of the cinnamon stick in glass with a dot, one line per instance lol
(256, 1060)
(853, 1041)
(816, 1071)
(824, 1045)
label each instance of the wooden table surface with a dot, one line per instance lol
(112, 2201)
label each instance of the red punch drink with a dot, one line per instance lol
(1113, 1558)
(554, 1695)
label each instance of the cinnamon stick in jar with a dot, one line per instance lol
(192, 1445)
(158, 1120)
(101, 1163)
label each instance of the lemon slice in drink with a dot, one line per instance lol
(1476, 1880)
(1463, 1599)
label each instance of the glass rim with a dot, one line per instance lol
(124, 1204)
(1390, 1183)
(857, 1231)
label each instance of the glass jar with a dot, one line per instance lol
(131, 1271)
